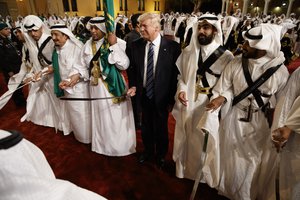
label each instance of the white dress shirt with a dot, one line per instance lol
(156, 45)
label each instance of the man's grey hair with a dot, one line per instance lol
(155, 19)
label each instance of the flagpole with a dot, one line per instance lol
(108, 6)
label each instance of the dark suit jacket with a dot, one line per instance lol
(165, 73)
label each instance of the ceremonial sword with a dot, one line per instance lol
(203, 159)
(277, 186)
(43, 74)
(16, 89)
(91, 99)
(278, 158)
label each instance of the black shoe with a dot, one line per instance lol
(144, 157)
(161, 163)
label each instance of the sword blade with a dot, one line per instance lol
(14, 83)
(277, 186)
(203, 159)
(90, 99)
(16, 90)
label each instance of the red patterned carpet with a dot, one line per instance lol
(116, 178)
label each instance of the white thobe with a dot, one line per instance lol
(75, 115)
(113, 130)
(287, 113)
(42, 105)
(188, 138)
(25, 174)
(242, 143)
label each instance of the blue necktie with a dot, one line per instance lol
(149, 75)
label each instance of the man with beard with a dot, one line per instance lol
(101, 60)
(75, 115)
(42, 105)
(247, 84)
(200, 65)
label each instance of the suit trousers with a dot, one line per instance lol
(154, 128)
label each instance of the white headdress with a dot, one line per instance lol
(32, 22)
(98, 22)
(64, 29)
(230, 23)
(265, 37)
(214, 21)
(286, 25)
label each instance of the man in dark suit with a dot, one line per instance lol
(11, 60)
(154, 79)
(133, 35)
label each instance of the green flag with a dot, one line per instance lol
(114, 79)
(108, 6)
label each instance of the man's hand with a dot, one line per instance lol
(215, 103)
(112, 39)
(74, 79)
(131, 91)
(70, 82)
(49, 71)
(37, 76)
(280, 137)
(182, 98)
(27, 80)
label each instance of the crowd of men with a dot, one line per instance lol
(221, 77)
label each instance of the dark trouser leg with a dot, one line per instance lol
(136, 113)
(161, 131)
(147, 125)
(19, 98)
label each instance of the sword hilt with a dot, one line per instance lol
(249, 112)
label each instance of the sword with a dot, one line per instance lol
(197, 85)
(249, 112)
(203, 159)
(91, 99)
(15, 83)
(278, 158)
(277, 185)
(31, 81)
(16, 89)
